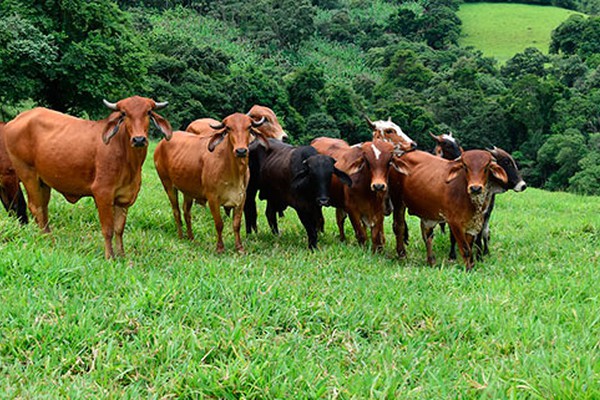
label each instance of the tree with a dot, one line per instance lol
(89, 52)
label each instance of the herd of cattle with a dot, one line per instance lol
(226, 163)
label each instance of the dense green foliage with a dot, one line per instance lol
(321, 66)
(175, 320)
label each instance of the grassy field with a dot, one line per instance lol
(502, 30)
(173, 319)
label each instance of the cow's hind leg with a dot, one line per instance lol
(427, 233)
(400, 230)
(120, 219)
(271, 213)
(188, 202)
(340, 217)
(174, 200)
(38, 195)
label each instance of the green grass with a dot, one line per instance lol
(173, 319)
(503, 30)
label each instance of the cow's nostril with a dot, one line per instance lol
(378, 187)
(323, 201)
(475, 189)
(139, 141)
(241, 152)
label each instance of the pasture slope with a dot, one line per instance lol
(173, 319)
(503, 30)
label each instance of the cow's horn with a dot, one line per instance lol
(160, 105)
(217, 127)
(258, 123)
(112, 106)
(492, 150)
(371, 124)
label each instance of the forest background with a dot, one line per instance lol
(322, 65)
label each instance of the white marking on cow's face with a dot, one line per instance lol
(376, 151)
(449, 138)
(382, 126)
(519, 187)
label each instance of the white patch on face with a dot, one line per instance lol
(383, 125)
(376, 151)
(448, 138)
(520, 186)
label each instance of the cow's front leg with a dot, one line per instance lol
(107, 221)
(120, 219)
(237, 224)
(464, 242)
(215, 210)
(400, 230)
(359, 230)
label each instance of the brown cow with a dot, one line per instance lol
(368, 165)
(270, 128)
(204, 171)
(390, 132)
(10, 190)
(438, 190)
(78, 158)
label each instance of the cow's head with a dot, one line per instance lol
(446, 146)
(390, 132)
(135, 114)
(370, 158)
(270, 128)
(478, 166)
(508, 164)
(315, 177)
(240, 130)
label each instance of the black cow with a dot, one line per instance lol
(297, 177)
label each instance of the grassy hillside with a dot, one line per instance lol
(502, 30)
(175, 319)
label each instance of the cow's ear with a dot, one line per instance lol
(399, 166)
(300, 179)
(456, 167)
(216, 139)
(343, 177)
(162, 124)
(261, 138)
(112, 127)
(498, 172)
(356, 166)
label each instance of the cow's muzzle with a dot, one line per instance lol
(323, 201)
(475, 189)
(139, 141)
(378, 187)
(519, 187)
(241, 152)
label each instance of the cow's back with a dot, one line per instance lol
(275, 171)
(180, 160)
(60, 148)
(202, 126)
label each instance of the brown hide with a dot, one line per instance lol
(438, 190)
(219, 177)
(78, 158)
(270, 128)
(10, 192)
(368, 165)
